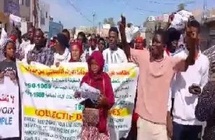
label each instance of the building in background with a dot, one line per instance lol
(54, 28)
(207, 26)
(8, 7)
(149, 25)
(43, 15)
(209, 23)
(143, 32)
(207, 20)
(209, 37)
(27, 14)
(19, 9)
(103, 30)
(85, 29)
(25, 10)
(11, 7)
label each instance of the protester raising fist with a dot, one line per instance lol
(122, 24)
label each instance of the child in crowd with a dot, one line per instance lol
(8, 65)
(95, 115)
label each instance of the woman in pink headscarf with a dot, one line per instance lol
(95, 114)
(76, 52)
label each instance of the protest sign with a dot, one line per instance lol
(9, 109)
(50, 110)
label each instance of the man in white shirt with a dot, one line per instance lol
(114, 54)
(185, 125)
(27, 46)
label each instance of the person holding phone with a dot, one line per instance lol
(156, 70)
(182, 124)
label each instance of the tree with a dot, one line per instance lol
(181, 6)
(109, 21)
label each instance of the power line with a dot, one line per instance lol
(79, 11)
(171, 3)
(165, 3)
(141, 11)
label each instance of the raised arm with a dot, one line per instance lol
(125, 45)
(192, 42)
(171, 17)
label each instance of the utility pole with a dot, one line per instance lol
(94, 15)
(204, 16)
(94, 28)
(100, 28)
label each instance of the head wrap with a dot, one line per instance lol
(63, 40)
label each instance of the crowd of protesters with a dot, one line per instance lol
(175, 87)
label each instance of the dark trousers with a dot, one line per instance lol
(186, 132)
(133, 132)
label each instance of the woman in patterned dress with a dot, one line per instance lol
(205, 109)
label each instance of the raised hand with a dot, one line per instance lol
(102, 101)
(192, 37)
(122, 24)
(171, 17)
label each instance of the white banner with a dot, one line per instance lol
(9, 109)
(52, 113)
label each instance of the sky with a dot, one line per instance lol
(75, 13)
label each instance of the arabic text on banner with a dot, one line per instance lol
(9, 109)
(50, 110)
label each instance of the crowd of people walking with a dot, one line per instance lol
(175, 86)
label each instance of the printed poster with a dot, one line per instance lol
(9, 109)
